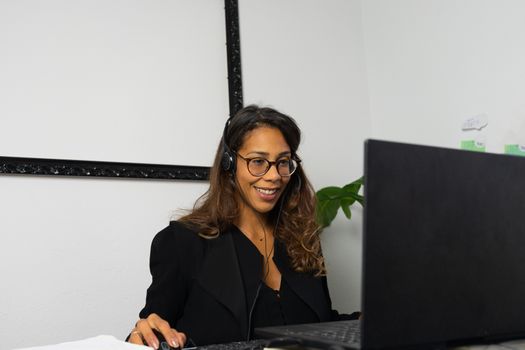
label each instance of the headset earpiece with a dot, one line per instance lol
(228, 159)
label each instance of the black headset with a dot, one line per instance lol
(228, 160)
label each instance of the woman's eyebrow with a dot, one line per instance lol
(266, 154)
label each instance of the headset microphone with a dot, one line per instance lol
(258, 291)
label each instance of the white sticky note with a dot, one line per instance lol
(477, 122)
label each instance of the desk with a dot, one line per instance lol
(107, 342)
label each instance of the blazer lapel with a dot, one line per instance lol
(312, 290)
(221, 277)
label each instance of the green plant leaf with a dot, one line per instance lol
(359, 181)
(354, 196)
(353, 187)
(346, 208)
(326, 211)
(331, 198)
(330, 192)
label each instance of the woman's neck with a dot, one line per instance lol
(253, 224)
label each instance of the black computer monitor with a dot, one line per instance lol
(444, 245)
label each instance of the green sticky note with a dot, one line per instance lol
(471, 145)
(516, 150)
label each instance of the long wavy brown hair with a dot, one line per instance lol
(216, 210)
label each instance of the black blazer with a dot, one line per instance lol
(197, 286)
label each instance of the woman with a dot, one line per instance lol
(249, 253)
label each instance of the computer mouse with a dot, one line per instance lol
(163, 344)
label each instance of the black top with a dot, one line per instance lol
(272, 307)
(202, 289)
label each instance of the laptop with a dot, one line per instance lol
(443, 250)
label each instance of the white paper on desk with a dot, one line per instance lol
(515, 344)
(509, 345)
(101, 342)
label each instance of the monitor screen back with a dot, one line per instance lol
(443, 245)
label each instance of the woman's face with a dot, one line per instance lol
(261, 193)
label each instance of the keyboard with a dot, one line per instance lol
(257, 344)
(346, 334)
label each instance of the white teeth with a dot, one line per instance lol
(262, 190)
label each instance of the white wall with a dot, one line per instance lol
(432, 64)
(74, 253)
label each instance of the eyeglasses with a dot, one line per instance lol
(259, 166)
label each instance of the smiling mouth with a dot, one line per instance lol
(266, 190)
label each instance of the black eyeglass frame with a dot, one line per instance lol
(293, 158)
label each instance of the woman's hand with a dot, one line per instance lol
(143, 334)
